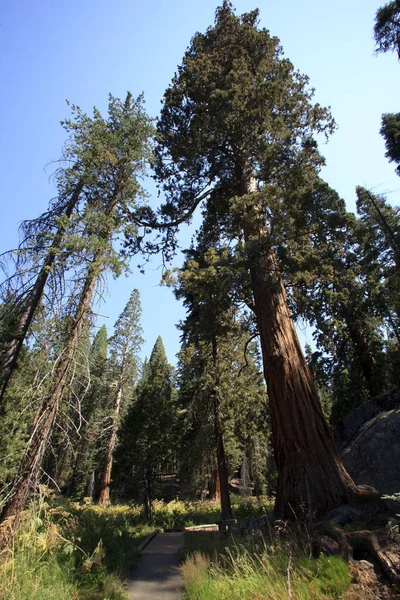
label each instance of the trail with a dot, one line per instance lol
(158, 576)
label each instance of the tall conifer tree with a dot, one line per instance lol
(124, 346)
(238, 122)
(147, 442)
(114, 195)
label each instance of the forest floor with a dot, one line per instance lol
(71, 551)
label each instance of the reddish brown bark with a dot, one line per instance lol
(217, 494)
(311, 476)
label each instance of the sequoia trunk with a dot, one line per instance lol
(311, 476)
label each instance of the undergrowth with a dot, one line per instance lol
(179, 514)
(70, 551)
(218, 568)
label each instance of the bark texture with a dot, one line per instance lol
(29, 467)
(104, 497)
(311, 476)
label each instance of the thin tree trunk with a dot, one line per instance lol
(388, 230)
(9, 359)
(148, 500)
(104, 497)
(365, 356)
(78, 482)
(223, 473)
(217, 485)
(28, 470)
(29, 467)
(311, 476)
(90, 486)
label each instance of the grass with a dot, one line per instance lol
(178, 514)
(222, 568)
(71, 551)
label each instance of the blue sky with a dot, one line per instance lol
(82, 50)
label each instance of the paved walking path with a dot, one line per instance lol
(158, 576)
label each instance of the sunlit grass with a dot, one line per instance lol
(179, 514)
(263, 574)
(79, 551)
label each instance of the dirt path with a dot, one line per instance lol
(158, 576)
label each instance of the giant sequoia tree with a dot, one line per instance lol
(238, 124)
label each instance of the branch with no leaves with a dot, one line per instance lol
(245, 352)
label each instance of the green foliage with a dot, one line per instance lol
(335, 279)
(242, 410)
(270, 571)
(390, 131)
(87, 445)
(62, 553)
(387, 28)
(66, 551)
(147, 435)
(236, 100)
(125, 345)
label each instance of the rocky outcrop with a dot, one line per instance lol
(347, 429)
(369, 440)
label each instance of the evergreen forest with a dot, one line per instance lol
(252, 432)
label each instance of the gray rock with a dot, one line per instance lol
(373, 457)
(347, 429)
(343, 514)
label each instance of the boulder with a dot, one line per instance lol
(343, 514)
(347, 429)
(373, 455)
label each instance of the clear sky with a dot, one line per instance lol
(83, 49)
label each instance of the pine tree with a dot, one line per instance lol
(242, 409)
(379, 245)
(205, 285)
(114, 195)
(237, 124)
(124, 346)
(93, 411)
(328, 286)
(147, 442)
(390, 131)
